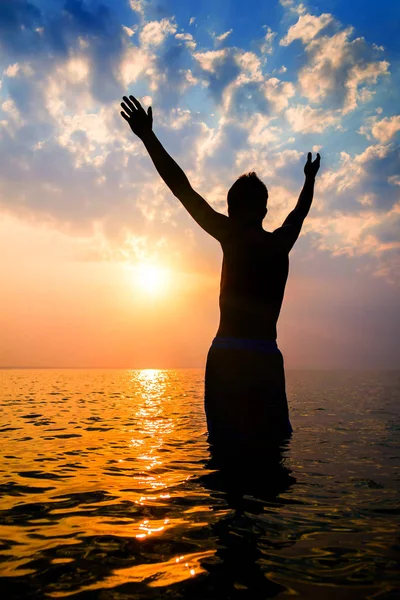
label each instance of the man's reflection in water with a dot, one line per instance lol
(249, 478)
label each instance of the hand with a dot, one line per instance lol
(139, 121)
(311, 168)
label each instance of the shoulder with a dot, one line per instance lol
(284, 237)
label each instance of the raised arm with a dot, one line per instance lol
(141, 123)
(287, 234)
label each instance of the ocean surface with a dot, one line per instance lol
(109, 490)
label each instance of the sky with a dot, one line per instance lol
(101, 266)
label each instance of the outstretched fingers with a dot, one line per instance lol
(133, 112)
(312, 166)
(137, 104)
(129, 103)
(127, 109)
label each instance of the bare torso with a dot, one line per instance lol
(253, 279)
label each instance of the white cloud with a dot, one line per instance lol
(352, 170)
(286, 157)
(382, 130)
(311, 120)
(179, 118)
(344, 234)
(278, 92)
(361, 234)
(268, 41)
(280, 202)
(18, 68)
(223, 36)
(371, 153)
(250, 65)
(209, 60)
(76, 69)
(338, 69)
(250, 91)
(12, 70)
(261, 132)
(12, 111)
(306, 29)
(394, 180)
(292, 7)
(184, 36)
(358, 75)
(187, 38)
(155, 32)
(138, 5)
(134, 63)
(265, 160)
(129, 32)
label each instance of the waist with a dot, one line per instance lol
(255, 345)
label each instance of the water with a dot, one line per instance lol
(108, 490)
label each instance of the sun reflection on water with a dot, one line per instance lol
(154, 425)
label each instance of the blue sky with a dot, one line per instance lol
(234, 87)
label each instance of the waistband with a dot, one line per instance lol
(266, 346)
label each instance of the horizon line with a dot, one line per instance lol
(298, 368)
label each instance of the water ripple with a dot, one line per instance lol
(113, 492)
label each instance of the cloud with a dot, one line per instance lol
(278, 92)
(28, 34)
(222, 37)
(267, 46)
(170, 75)
(286, 157)
(394, 180)
(382, 130)
(262, 132)
(306, 29)
(128, 30)
(218, 69)
(134, 63)
(306, 119)
(212, 59)
(366, 234)
(338, 69)
(138, 6)
(291, 6)
(236, 81)
(155, 32)
(187, 38)
(363, 181)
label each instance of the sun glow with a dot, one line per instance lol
(152, 279)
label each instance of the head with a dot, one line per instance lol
(247, 199)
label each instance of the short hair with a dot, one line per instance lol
(247, 197)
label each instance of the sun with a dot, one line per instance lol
(152, 279)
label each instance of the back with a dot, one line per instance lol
(253, 279)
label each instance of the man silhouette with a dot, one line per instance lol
(245, 397)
